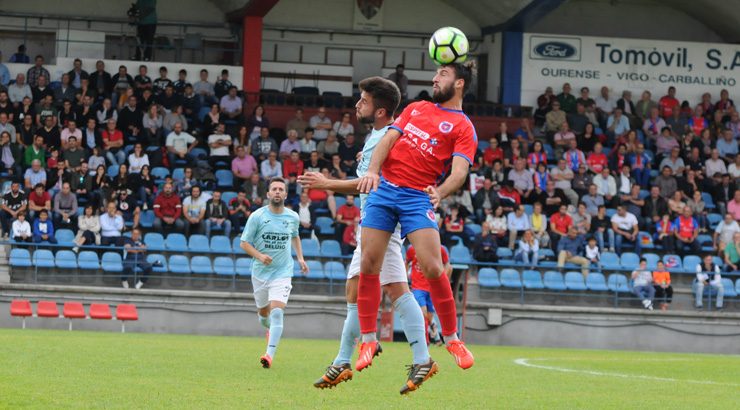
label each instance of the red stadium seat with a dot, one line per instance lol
(125, 313)
(73, 310)
(47, 308)
(21, 308)
(100, 311)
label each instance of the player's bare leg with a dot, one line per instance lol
(274, 315)
(426, 242)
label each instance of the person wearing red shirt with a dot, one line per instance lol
(37, 200)
(168, 209)
(508, 196)
(349, 239)
(293, 167)
(420, 289)
(453, 226)
(668, 103)
(697, 123)
(560, 222)
(427, 142)
(493, 153)
(686, 230)
(348, 215)
(113, 144)
(597, 159)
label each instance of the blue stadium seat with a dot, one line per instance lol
(330, 249)
(20, 257)
(176, 242)
(673, 263)
(340, 200)
(243, 266)
(715, 260)
(325, 225)
(224, 178)
(311, 248)
(88, 260)
(618, 283)
(197, 243)
(475, 229)
(549, 255)
(553, 280)
(574, 281)
(729, 287)
(236, 246)
(199, 153)
(66, 260)
(708, 200)
(610, 212)
(220, 244)
(147, 219)
(201, 265)
(223, 265)
(64, 237)
(504, 253)
(488, 278)
(737, 286)
(159, 174)
(460, 254)
(646, 240)
(227, 197)
(629, 261)
(706, 243)
(528, 209)
(154, 257)
(179, 264)
(178, 174)
(610, 260)
(532, 279)
(510, 278)
(111, 262)
(652, 260)
(112, 171)
(315, 270)
(335, 270)
(597, 282)
(154, 241)
(690, 263)
(43, 258)
(714, 220)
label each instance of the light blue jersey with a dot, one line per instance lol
(271, 234)
(371, 141)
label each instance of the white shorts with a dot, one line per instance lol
(394, 266)
(267, 291)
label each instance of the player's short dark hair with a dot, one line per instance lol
(465, 71)
(385, 93)
(276, 179)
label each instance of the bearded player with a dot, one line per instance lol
(378, 100)
(427, 142)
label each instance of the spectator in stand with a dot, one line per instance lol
(34, 176)
(321, 124)
(521, 178)
(88, 229)
(231, 105)
(122, 81)
(347, 215)
(328, 147)
(662, 285)
(20, 57)
(731, 253)
(160, 84)
(168, 209)
(641, 165)
(517, 222)
(697, 123)
(264, 145)
(65, 92)
(582, 180)
(668, 103)
(593, 200)
(453, 225)
(10, 157)
(213, 118)
(592, 252)
(290, 144)
(400, 79)
(527, 251)
(13, 203)
(255, 189)
(581, 220)
(65, 208)
(344, 127)
(142, 184)
(617, 124)
(127, 207)
(544, 105)
(535, 157)
(698, 209)
(666, 182)
(485, 198)
(560, 223)
(308, 145)
(108, 112)
(686, 230)
(727, 147)
(725, 196)
(142, 81)
(574, 157)
(496, 223)
(6, 126)
(538, 221)
(256, 122)
(734, 168)
(182, 82)
(578, 120)
(217, 215)
(19, 90)
(4, 73)
(644, 107)
(222, 86)
(137, 159)
(562, 175)
(101, 81)
(271, 167)
(492, 153)
(625, 228)
(194, 212)
(724, 234)
(239, 210)
(72, 155)
(597, 160)
(569, 250)
(323, 199)
(605, 105)
(173, 117)
(708, 275)
(292, 168)
(36, 71)
(502, 136)
(204, 89)
(349, 239)
(48, 116)
(715, 164)
(601, 225)
(111, 226)
(242, 166)
(485, 246)
(152, 123)
(562, 139)
(20, 230)
(42, 90)
(135, 251)
(113, 144)
(179, 145)
(566, 99)
(642, 285)
(219, 143)
(348, 151)
(653, 126)
(43, 228)
(297, 123)
(314, 163)
(508, 197)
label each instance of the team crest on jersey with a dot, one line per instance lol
(445, 126)
(430, 215)
(433, 141)
(415, 112)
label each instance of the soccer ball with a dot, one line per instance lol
(448, 45)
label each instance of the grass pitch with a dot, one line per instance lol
(93, 370)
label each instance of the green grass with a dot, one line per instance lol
(59, 369)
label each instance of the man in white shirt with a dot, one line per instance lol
(715, 164)
(724, 232)
(219, 142)
(194, 212)
(517, 223)
(625, 228)
(271, 168)
(111, 226)
(606, 186)
(19, 90)
(305, 228)
(562, 175)
(179, 144)
(708, 274)
(321, 125)
(604, 104)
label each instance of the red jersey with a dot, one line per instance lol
(667, 104)
(490, 155)
(418, 281)
(292, 169)
(561, 222)
(349, 213)
(597, 162)
(431, 136)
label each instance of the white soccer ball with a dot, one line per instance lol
(448, 45)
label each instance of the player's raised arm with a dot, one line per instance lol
(371, 179)
(317, 180)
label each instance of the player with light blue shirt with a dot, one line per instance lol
(268, 236)
(378, 100)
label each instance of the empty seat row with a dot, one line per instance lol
(552, 280)
(73, 310)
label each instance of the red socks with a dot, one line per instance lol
(368, 302)
(444, 303)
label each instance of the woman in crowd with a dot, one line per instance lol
(152, 123)
(697, 205)
(256, 122)
(453, 225)
(344, 127)
(98, 187)
(88, 228)
(143, 185)
(537, 156)
(212, 119)
(527, 250)
(137, 159)
(497, 225)
(538, 220)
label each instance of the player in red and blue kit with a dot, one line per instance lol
(425, 157)
(420, 290)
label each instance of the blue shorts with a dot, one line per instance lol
(424, 299)
(392, 204)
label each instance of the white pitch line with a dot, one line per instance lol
(525, 362)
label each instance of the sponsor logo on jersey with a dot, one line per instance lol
(445, 127)
(413, 130)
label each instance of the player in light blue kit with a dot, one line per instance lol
(379, 98)
(267, 237)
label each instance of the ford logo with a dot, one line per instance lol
(555, 49)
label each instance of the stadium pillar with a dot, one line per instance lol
(251, 55)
